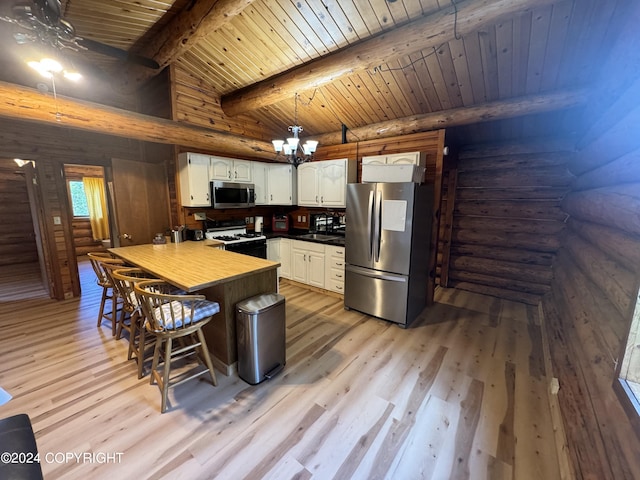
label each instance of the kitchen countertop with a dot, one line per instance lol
(340, 241)
(193, 265)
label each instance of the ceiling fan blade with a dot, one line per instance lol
(110, 51)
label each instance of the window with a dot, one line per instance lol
(78, 198)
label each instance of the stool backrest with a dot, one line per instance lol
(98, 260)
(167, 311)
(124, 279)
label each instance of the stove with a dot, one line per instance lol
(233, 234)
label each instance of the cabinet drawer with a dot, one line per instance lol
(337, 274)
(336, 252)
(335, 263)
(335, 286)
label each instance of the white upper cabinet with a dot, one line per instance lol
(230, 170)
(324, 183)
(259, 174)
(308, 185)
(194, 179)
(411, 158)
(281, 184)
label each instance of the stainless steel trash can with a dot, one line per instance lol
(260, 331)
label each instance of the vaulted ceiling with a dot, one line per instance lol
(352, 62)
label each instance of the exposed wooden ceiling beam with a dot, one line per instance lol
(486, 112)
(26, 104)
(180, 35)
(422, 34)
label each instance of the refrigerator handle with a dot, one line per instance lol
(378, 225)
(370, 218)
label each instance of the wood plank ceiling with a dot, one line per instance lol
(546, 48)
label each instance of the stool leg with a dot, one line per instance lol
(103, 301)
(205, 355)
(165, 376)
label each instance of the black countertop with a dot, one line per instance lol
(339, 239)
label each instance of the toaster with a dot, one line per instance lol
(195, 234)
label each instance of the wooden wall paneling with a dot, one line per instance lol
(461, 68)
(502, 283)
(474, 63)
(504, 57)
(437, 78)
(516, 255)
(596, 270)
(617, 206)
(625, 169)
(598, 440)
(449, 199)
(540, 20)
(507, 219)
(560, 15)
(579, 418)
(620, 246)
(489, 56)
(612, 278)
(615, 142)
(17, 242)
(424, 77)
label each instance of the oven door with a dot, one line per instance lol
(257, 248)
(233, 195)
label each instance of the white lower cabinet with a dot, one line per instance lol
(334, 269)
(308, 263)
(273, 252)
(285, 258)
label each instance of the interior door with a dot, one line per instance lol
(139, 200)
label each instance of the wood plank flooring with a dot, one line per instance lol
(460, 394)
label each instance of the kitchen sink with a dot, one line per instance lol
(318, 236)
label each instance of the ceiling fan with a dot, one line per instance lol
(43, 22)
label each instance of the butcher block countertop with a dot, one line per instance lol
(192, 266)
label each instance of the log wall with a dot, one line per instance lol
(17, 238)
(588, 312)
(507, 220)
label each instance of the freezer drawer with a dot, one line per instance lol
(379, 294)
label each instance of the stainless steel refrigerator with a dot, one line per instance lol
(387, 249)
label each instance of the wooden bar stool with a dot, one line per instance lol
(98, 259)
(175, 317)
(124, 280)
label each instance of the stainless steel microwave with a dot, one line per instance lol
(232, 195)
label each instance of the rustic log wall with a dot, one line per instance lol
(588, 312)
(17, 240)
(507, 219)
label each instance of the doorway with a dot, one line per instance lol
(86, 190)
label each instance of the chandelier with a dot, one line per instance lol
(292, 148)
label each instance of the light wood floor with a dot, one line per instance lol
(460, 394)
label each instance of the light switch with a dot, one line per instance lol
(57, 220)
(299, 219)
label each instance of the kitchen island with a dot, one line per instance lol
(223, 277)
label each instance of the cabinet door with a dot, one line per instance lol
(194, 180)
(285, 258)
(273, 249)
(308, 191)
(333, 183)
(259, 175)
(242, 171)
(412, 158)
(279, 185)
(220, 168)
(374, 160)
(299, 264)
(315, 274)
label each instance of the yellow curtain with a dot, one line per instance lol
(97, 203)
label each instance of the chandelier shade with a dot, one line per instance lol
(292, 148)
